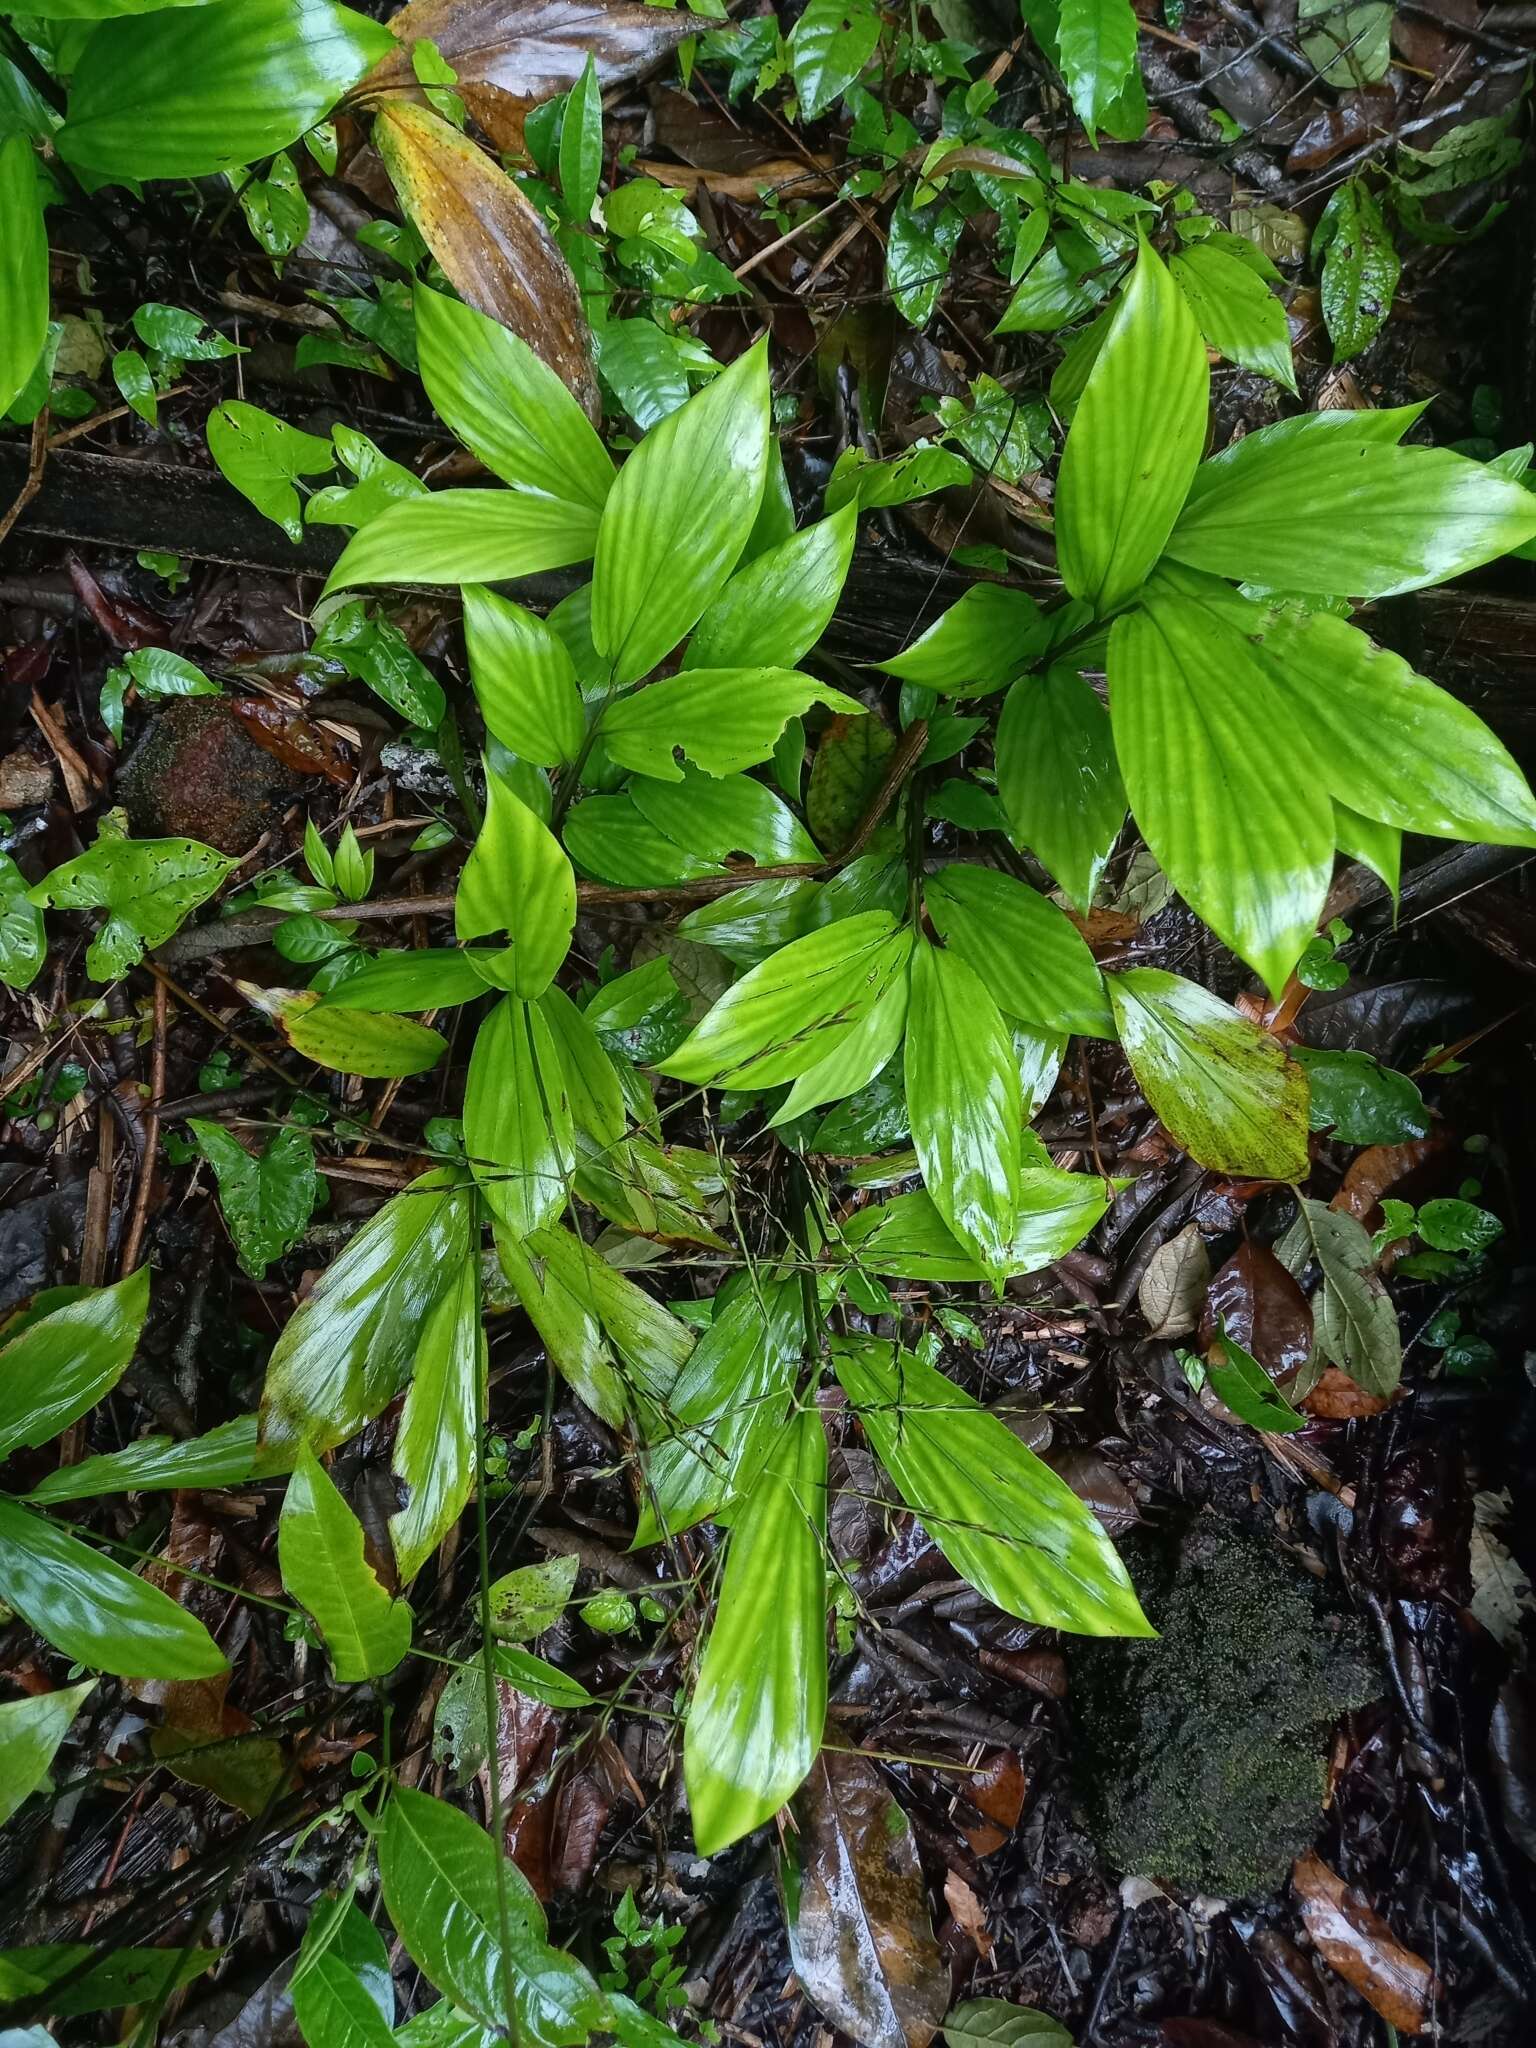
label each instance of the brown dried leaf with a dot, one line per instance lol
(1336, 1398)
(1354, 1940)
(510, 54)
(1262, 1308)
(970, 1915)
(494, 246)
(1099, 1486)
(1173, 1286)
(859, 1933)
(996, 1791)
(297, 742)
(1383, 1169)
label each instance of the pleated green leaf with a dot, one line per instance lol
(1058, 777)
(517, 1118)
(1029, 954)
(524, 680)
(466, 537)
(1223, 782)
(1223, 1089)
(1003, 1519)
(222, 1456)
(1237, 312)
(716, 816)
(1343, 511)
(196, 90)
(592, 1082)
(964, 1102)
(506, 404)
(851, 1065)
(678, 518)
(775, 609)
(92, 1610)
(31, 1730)
(320, 1553)
(755, 1721)
(518, 879)
(64, 1362)
(907, 1239)
(793, 1009)
(1135, 442)
(435, 1444)
(23, 267)
(723, 719)
(1379, 846)
(984, 639)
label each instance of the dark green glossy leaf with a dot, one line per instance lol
(430, 978)
(919, 246)
(320, 1550)
(1361, 267)
(1362, 1102)
(345, 1351)
(1003, 1519)
(1096, 41)
(1223, 1089)
(755, 1720)
(200, 89)
(63, 1363)
(94, 1611)
(581, 143)
(267, 1198)
(1128, 464)
(1238, 1380)
(23, 943)
(343, 1996)
(1028, 953)
(378, 652)
(830, 45)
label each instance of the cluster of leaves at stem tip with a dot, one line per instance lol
(649, 733)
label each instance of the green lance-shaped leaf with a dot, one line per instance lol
(23, 267)
(907, 1239)
(519, 879)
(1225, 786)
(965, 1103)
(346, 1350)
(195, 90)
(1003, 1519)
(678, 518)
(517, 1117)
(224, 1456)
(723, 719)
(775, 609)
(426, 978)
(791, 1011)
(524, 682)
(592, 1084)
(64, 1362)
(343, 1996)
(1239, 1380)
(30, 1733)
(581, 143)
(1029, 954)
(755, 1721)
(358, 1041)
(1096, 43)
(320, 1551)
(1343, 512)
(1379, 846)
(94, 1611)
(978, 645)
(855, 1061)
(1222, 1088)
(1239, 315)
(1058, 777)
(507, 406)
(466, 537)
(435, 1446)
(1128, 462)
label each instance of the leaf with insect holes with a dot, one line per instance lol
(263, 457)
(268, 1197)
(148, 887)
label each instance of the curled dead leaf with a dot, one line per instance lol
(1354, 1940)
(511, 54)
(1336, 1398)
(494, 246)
(970, 1915)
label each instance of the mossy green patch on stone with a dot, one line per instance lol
(1201, 1756)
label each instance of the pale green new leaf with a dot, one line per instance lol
(346, 1350)
(994, 2023)
(792, 1010)
(92, 1610)
(262, 456)
(1058, 777)
(983, 640)
(195, 90)
(755, 1720)
(1129, 461)
(506, 404)
(777, 607)
(31, 1730)
(1239, 315)
(1003, 1519)
(1029, 954)
(1222, 1088)
(467, 537)
(678, 518)
(517, 1118)
(342, 1993)
(1225, 786)
(320, 1552)
(964, 1103)
(723, 719)
(1341, 512)
(223, 1456)
(519, 879)
(524, 681)
(434, 1453)
(1096, 42)
(907, 1239)
(23, 267)
(64, 1362)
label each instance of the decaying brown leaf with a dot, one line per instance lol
(1353, 1939)
(496, 250)
(1260, 1306)
(297, 742)
(1174, 1284)
(1336, 1398)
(511, 54)
(1384, 1169)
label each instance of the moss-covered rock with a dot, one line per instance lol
(1201, 1756)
